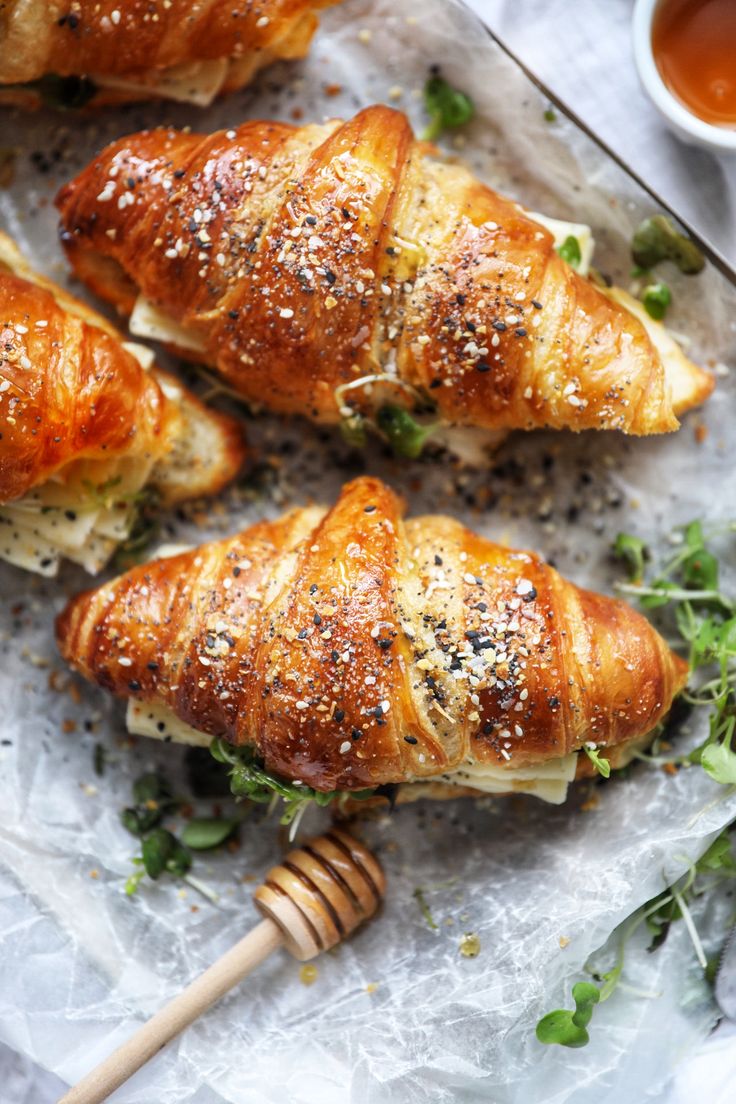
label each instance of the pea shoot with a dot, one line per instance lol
(656, 298)
(447, 107)
(569, 1028)
(570, 251)
(250, 779)
(404, 433)
(602, 765)
(161, 851)
(688, 587)
(656, 239)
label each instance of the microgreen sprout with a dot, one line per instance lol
(601, 765)
(688, 585)
(656, 298)
(569, 1028)
(406, 436)
(161, 851)
(656, 239)
(250, 779)
(424, 908)
(447, 107)
(570, 251)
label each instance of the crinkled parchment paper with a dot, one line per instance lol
(398, 1014)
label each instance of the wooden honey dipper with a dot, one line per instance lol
(318, 896)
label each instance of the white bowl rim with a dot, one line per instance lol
(671, 107)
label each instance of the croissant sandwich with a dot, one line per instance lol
(349, 649)
(69, 54)
(86, 429)
(341, 271)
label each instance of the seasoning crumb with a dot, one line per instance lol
(308, 973)
(470, 945)
(563, 941)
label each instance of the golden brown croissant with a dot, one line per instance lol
(354, 649)
(326, 268)
(112, 51)
(84, 427)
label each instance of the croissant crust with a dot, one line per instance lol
(70, 391)
(353, 648)
(136, 40)
(304, 260)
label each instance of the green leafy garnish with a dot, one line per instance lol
(145, 528)
(715, 866)
(569, 1028)
(448, 108)
(161, 851)
(656, 239)
(550, 115)
(99, 759)
(688, 586)
(656, 298)
(421, 900)
(103, 494)
(406, 436)
(63, 93)
(204, 833)
(352, 427)
(570, 251)
(634, 553)
(251, 780)
(601, 765)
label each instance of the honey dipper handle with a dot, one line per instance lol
(203, 992)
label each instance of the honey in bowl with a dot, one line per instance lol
(694, 47)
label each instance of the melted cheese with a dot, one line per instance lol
(63, 518)
(148, 321)
(547, 781)
(196, 82)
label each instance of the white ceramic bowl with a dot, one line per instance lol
(682, 121)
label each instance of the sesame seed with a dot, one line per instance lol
(345, 747)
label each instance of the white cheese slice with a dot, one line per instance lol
(561, 230)
(148, 321)
(161, 723)
(548, 780)
(63, 518)
(142, 353)
(196, 82)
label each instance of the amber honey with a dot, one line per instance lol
(694, 47)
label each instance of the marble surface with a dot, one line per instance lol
(581, 50)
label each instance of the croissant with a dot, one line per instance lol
(328, 269)
(66, 54)
(353, 649)
(84, 427)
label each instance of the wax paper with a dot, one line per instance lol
(397, 1014)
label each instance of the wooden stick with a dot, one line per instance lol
(203, 992)
(320, 894)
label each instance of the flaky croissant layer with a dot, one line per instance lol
(354, 649)
(84, 426)
(132, 50)
(335, 267)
